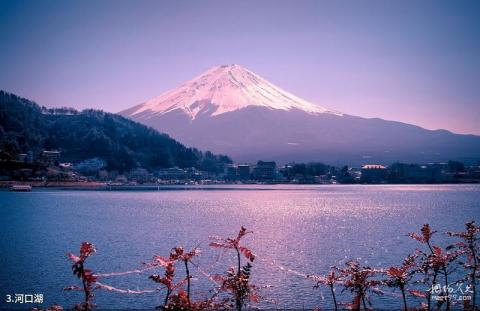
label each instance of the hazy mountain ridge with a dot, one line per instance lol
(289, 131)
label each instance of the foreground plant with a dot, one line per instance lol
(359, 281)
(436, 261)
(425, 267)
(85, 275)
(470, 248)
(178, 254)
(398, 277)
(237, 282)
(330, 280)
(181, 299)
(168, 279)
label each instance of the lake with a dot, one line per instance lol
(302, 229)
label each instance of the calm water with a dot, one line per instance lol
(303, 228)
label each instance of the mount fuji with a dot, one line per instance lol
(231, 110)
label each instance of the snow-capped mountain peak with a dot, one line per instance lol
(223, 89)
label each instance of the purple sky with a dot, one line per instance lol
(411, 61)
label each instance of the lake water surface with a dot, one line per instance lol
(304, 229)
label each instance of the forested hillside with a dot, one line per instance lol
(122, 143)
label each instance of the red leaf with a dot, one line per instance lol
(162, 261)
(247, 253)
(418, 293)
(72, 287)
(73, 258)
(221, 245)
(395, 272)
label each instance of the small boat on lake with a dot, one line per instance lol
(21, 188)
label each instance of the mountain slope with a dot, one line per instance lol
(231, 110)
(124, 144)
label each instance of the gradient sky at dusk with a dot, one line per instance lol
(411, 61)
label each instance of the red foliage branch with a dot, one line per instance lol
(398, 277)
(329, 280)
(436, 262)
(85, 275)
(470, 247)
(359, 281)
(181, 299)
(237, 283)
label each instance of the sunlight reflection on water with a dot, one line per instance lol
(303, 228)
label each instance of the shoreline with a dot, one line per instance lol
(101, 186)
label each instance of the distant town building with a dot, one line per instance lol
(423, 173)
(121, 179)
(22, 157)
(140, 175)
(373, 173)
(29, 158)
(51, 155)
(231, 172)
(66, 166)
(243, 171)
(172, 173)
(322, 179)
(103, 175)
(414, 173)
(193, 173)
(91, 166)
(265, 170)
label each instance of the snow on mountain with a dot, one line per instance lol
(223, 89)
